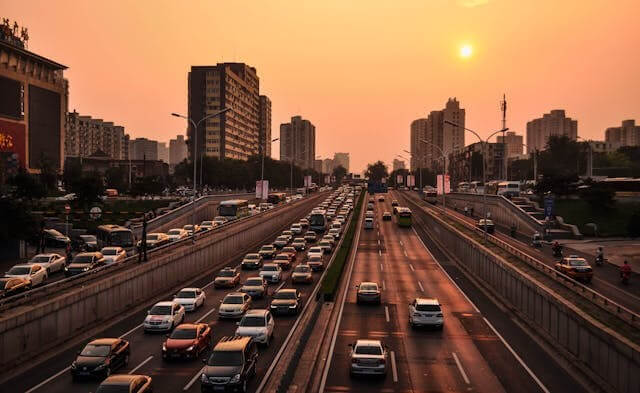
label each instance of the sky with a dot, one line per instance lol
(359, 70)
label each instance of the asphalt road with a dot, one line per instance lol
(467, 355)
(146, 355)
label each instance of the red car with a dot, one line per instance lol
(188, 340)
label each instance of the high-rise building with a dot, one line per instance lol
(235, 133)
(163, 152)
(513, 142)
(327, 166)
(397, 164)
(143, 149)
(298, 140)
(264, 126)
(178, 150)
(341, 159)
(626, 135)
(85, 135)
(33, 106)
(554, 123)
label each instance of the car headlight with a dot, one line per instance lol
(203, 378)
(235, 379)
(190, 348)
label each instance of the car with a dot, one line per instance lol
(482, 223)
(426, 312)
(252, 261)
(315, 262)
(285, 301)
(317, 250)
(310, 236)
(304, 223)
(281, 241)
(291, 251)
(368, 223)
(283, 260)
(394, 203)
(83, 262)
(576, 268)
(207, 225)
(386, 216)
(256, 287)
(299, 244)
(51, 262)
(177, 234)
(113, 254)
(268, 251)
(55, 239)
(326, 245)
(219, 220)
(163, 316)
(335, 233)
(100, 357)
(191, 229)
(228, 277)
(296, 228)
(125, 383)
(257, 324)
(33, 273)
(188, 340)
(234, 305)
(85, 243)
(157, 239)
(190, 298)
(368, 292)
(271, 272)
(368, 357)
(10, 286)
(230, 366)
(302, 274)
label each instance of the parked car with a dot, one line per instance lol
(114, 254)
(99, 358)
(51, 262)
(228, 277)
(257, 324)
(368, 292)
(231, 364)
(234, 305)
(126, 383)
(368, 357)
(55, 239)
(256, 287)
(426, 312)
(190, 298)
(285, 301)
(302, 274)
(268, 251)
(10, 286)
(188, 340)
(251, 261)
(83, 262)
(271, 272)
(163, 316)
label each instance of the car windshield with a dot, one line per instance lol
(427, 307)
(227, 273)
(285, 295)
(186, 295)
(83, 259)
(110, 251)
(254, 282)
(252, 321)
(233, 300)
(153, 237)
(40, 258)
(225, 359)
(368, 350)
(160, 310)
(96, 350)
(369, 287)
(577, 262)
(19, 270)
(301, 269)
(252, 256)
(88, 238)
(184, 334)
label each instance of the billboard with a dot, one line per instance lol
(447, 184)
(262, 189)
(13, 140)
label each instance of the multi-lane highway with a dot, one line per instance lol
(469, 354)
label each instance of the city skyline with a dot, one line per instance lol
(131, 47)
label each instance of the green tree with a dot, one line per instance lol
(339, 172)
(377, 171)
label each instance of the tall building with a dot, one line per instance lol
(85, 135)
(298, 140)
(178, 150)
(513, 142)
(143, 149)
(397, 164)
(341, 159)
(442, 138)
(264, 126)
(327, 166)
(163, 152)
(235, 133)
(626, 135)
(33, 105)
(554, 123)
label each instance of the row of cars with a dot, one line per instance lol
(232, 360)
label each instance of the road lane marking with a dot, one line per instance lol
(381, 268)
(206, 315)
(131, 331)
(412, 269)
(394, 370)
(420, 285)
(193, 380)
(46, 381)
(464, 374)
(386, 312)
(141, 364)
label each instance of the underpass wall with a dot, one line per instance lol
(31, 330)
(610, 361)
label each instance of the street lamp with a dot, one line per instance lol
(484, 166)
(195, 157)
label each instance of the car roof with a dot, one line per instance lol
(368, 343)
(430, 301)
(104, 341)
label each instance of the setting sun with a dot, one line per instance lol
(466, 51)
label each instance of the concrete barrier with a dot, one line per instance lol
(29, 331)
(603, 356)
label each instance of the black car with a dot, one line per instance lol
(231, 364)
(100, 358)
(55, 239)
(84, 262)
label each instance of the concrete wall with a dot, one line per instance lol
(612, 361)
(30, 330)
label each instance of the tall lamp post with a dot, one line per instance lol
(195, 155)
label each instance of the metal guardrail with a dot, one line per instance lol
(595, 297)
(56, 287)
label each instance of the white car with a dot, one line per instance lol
(315, 250)
(163, 316)
(177, 234)
(114, 254)
(257, 324)
(234, 305)
(36, 274)
(368, 357)
(190, 298)
(426, 312)
(271, 272)
(51, 262)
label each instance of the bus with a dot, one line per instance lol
(509, 189)
(404, 217)
(318, 221)
(431, 196)
(276, 197)
(115, 236)
(234, 209)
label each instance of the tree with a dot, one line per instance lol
(339, 173)
(377, 171)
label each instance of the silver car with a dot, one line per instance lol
(368, 357)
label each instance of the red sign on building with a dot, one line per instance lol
(13, 140)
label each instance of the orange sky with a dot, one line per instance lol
(361, 71)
